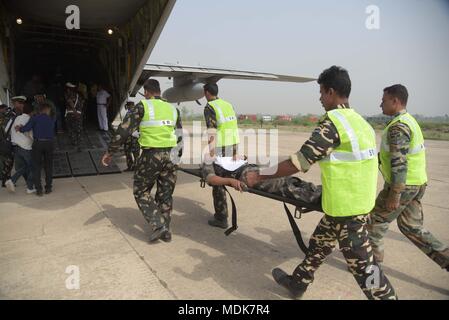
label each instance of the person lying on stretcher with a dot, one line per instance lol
(230, 171)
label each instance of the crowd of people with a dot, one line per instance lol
(28, 129)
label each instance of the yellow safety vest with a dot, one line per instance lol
(416, 156)
(227, 129)
(157, 128)
(349, 173)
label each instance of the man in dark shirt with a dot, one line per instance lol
(43, 133)
(42, 98)
(55, 93)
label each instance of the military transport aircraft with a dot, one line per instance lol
(105, 42)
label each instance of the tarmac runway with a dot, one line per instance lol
(91, 227)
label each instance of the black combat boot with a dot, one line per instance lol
(223, 224)
(157, 234)
(166, 236)
(296, 289)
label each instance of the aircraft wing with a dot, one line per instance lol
(203, 74)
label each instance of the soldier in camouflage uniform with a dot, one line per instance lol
(74, 114)
(349, 232)
(4, 158)
(7, 160)
(400, 200)
(131, 146)
(218, 192)
(155, 165)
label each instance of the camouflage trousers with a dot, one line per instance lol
(352, 237)
(6, 165)
(132, 151)
(219, 197)
(74, 126)
(410, 218)
(154, 166)
(220, 203)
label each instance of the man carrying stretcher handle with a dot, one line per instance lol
(230, 171)
(344, 145)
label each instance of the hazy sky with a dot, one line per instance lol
(303, 38)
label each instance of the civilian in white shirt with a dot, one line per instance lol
(22, 143)
(103, 103)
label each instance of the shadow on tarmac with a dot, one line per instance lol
(232, 269)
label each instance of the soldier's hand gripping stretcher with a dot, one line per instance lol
(231, 182)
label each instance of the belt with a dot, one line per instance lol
(43, 139)
(157, 149)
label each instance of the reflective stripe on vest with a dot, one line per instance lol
(416, 156)
(157, 123)
(413, 127)
(157, 128)
(356, 154)
(221, 118)
(227, 129)
(349, 173)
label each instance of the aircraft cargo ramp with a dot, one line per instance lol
(69, 162)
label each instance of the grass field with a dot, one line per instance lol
(431, 130)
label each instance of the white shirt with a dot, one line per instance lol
(102, 97)
(229, 163)
(23, 140)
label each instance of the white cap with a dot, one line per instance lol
(23, 98)
(70, 85)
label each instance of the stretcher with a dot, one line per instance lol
(301, 207)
